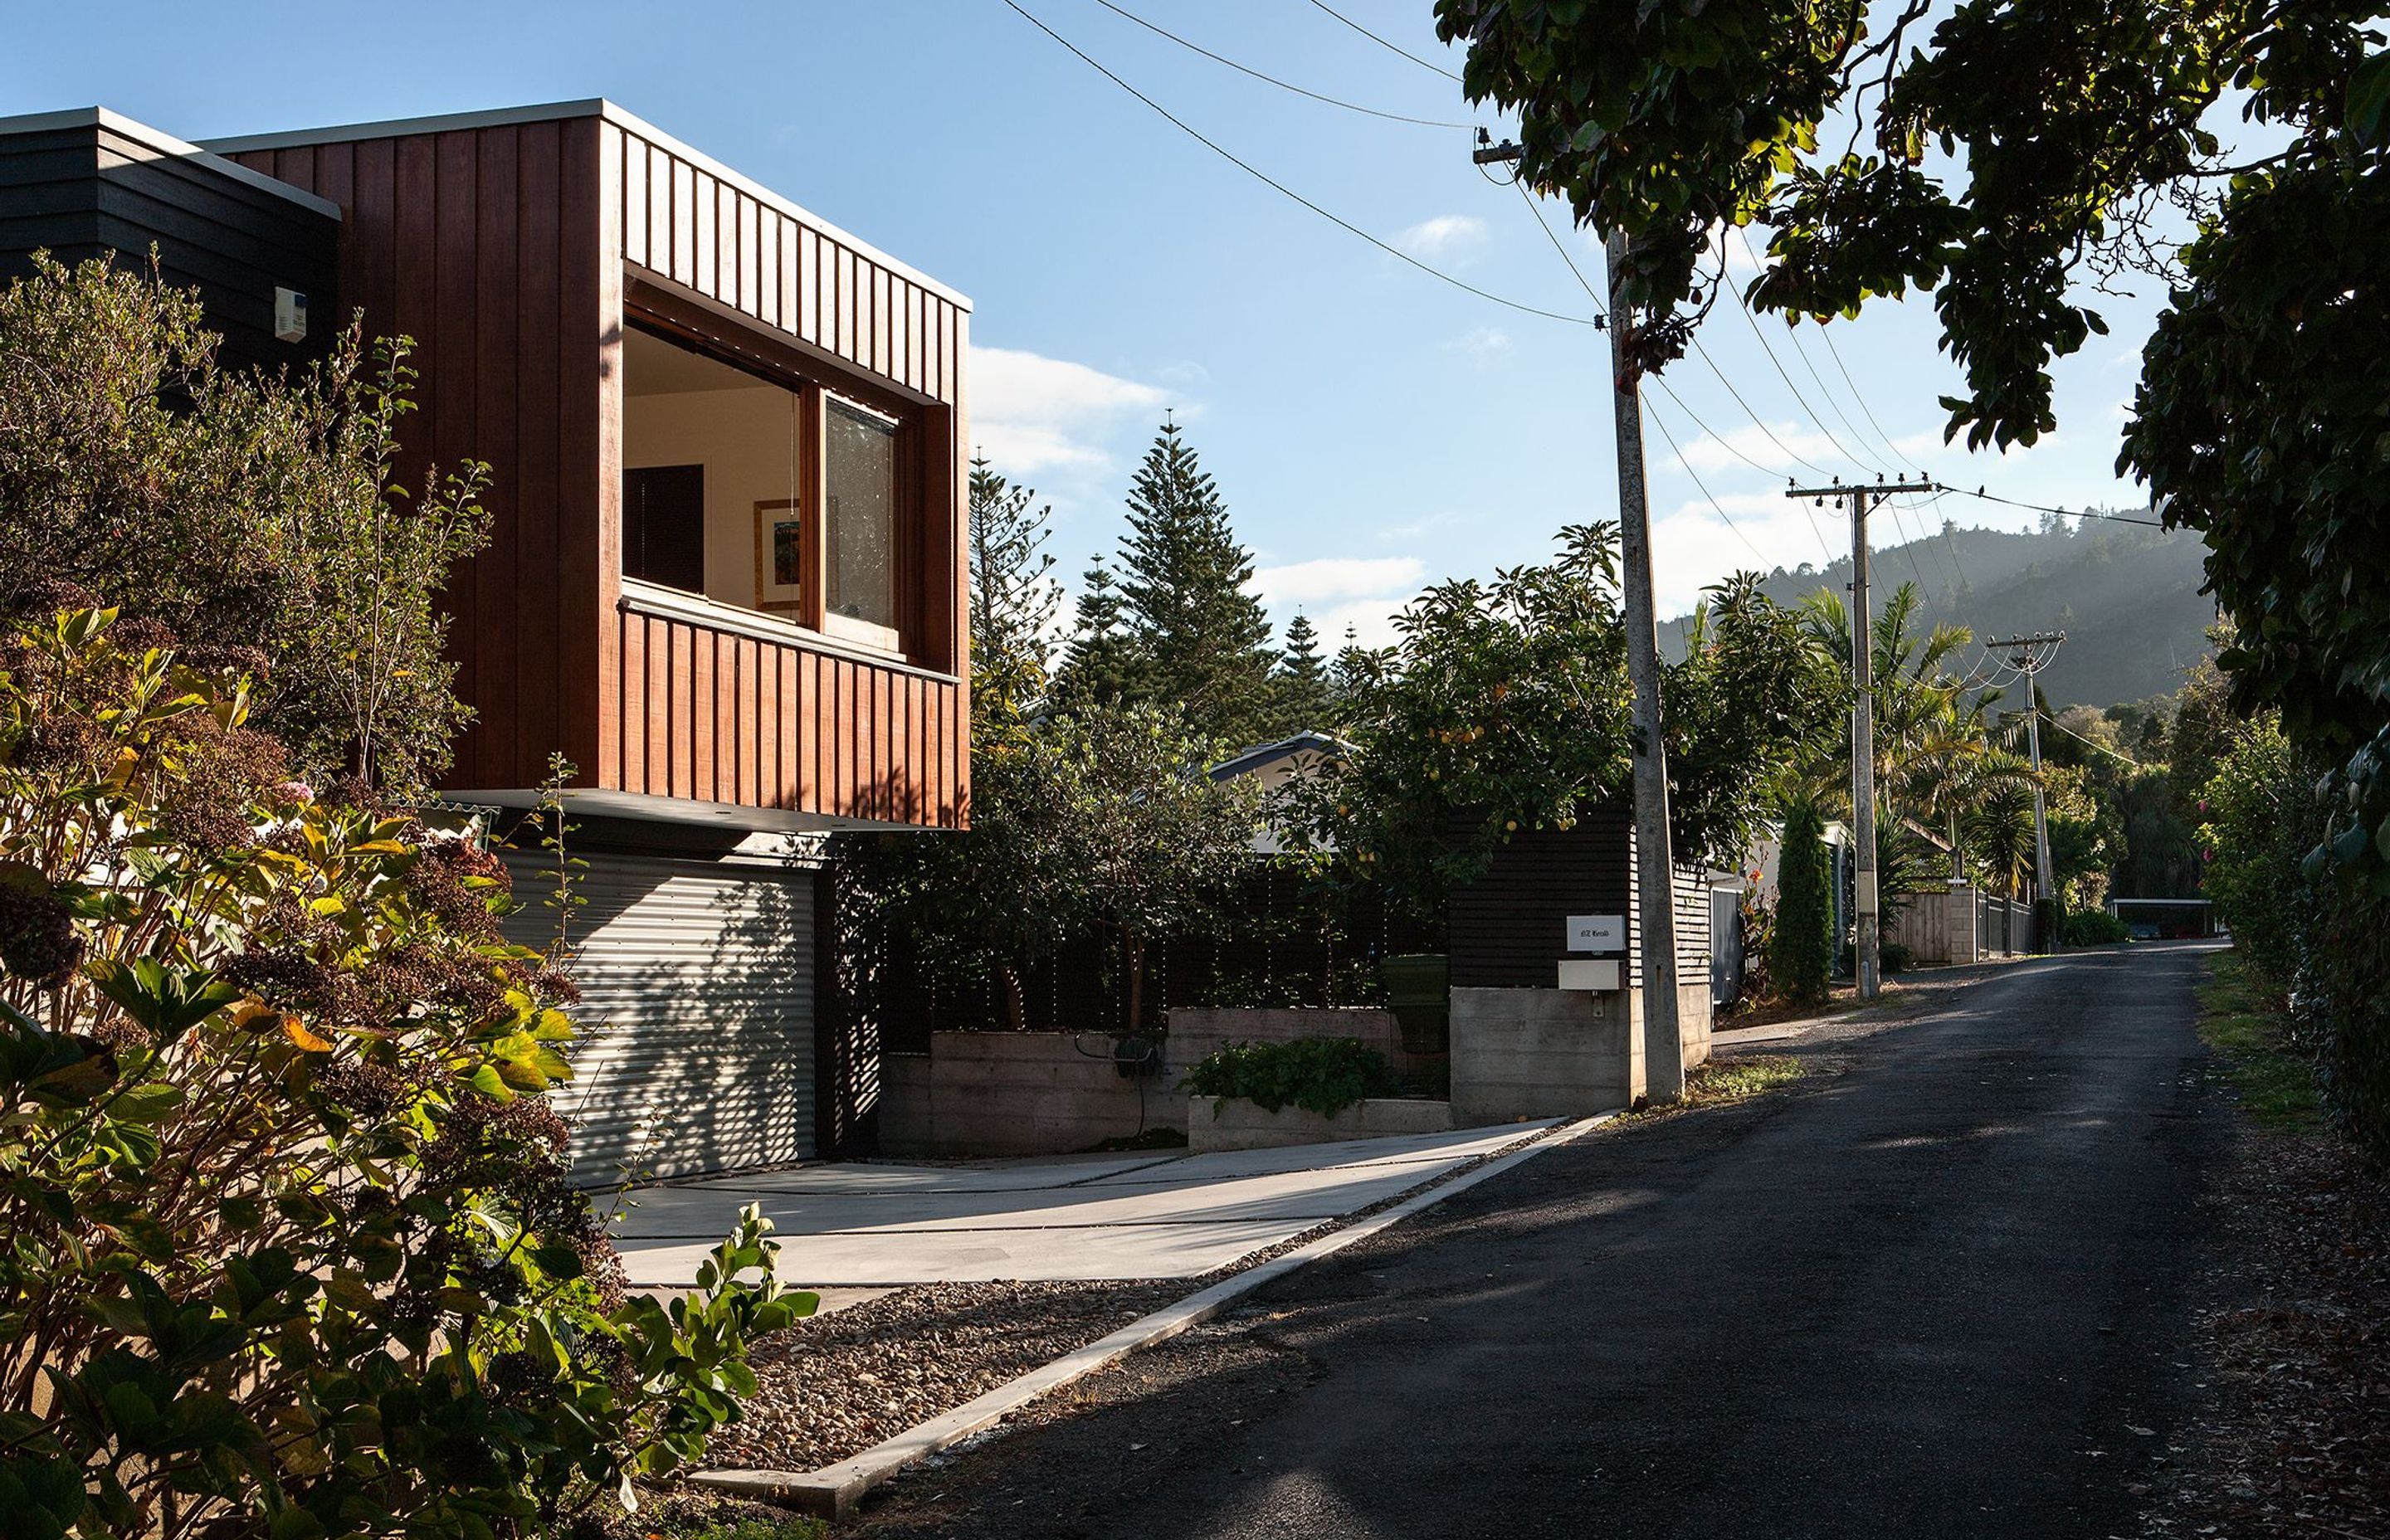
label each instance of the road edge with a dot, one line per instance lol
(833, 1490)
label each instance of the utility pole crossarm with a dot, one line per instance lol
(1867, 940)
(2029, 655)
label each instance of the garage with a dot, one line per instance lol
(696, 1012)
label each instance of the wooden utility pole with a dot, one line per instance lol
(1864, 899)
(1655, 867)
(2029, 655)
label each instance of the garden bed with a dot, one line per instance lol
(1232, 1123)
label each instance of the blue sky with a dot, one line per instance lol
(1372, 428)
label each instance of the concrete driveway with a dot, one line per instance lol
(1147, 1215)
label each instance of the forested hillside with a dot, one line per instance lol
(2127, 597)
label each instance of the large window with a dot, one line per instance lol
(860, 471)
(768, 494)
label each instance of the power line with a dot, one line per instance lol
(1545, 226)
(1827, 336)
(2064, 513)
(1281, 187)
(1824, 390)
(1703, 354)
(1957, 570)
(1587, 283)
(1422, 63)
(1272, 80)
(1660, 423)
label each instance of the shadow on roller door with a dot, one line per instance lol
(696, 1014)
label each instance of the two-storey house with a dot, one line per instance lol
(725, 582)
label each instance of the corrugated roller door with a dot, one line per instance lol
(697, 1014)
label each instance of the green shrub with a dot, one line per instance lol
(254, 515)
(289, 1249)
(1802, 946)
(1894, 957)
(2094, 928)
(1319, 1074)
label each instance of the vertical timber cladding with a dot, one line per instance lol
(501, 244)
(889, 744)
(697, 1013)
(1508, 930)
(478, 239)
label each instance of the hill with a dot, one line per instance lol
(2127, 597)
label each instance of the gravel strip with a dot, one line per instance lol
(832, 1387)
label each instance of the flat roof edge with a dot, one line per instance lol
(166, 143)
(592, 107)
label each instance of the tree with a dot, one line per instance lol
(1500, 705)
(1099, 664)
(1013, 598)
(254, 517)
(1200, 638)
(2023, 152)
(1306, 694)
(1504, 706)
(1802, 946)
(1090, 823)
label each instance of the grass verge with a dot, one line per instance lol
(2276, 1083)
(1724, 1080)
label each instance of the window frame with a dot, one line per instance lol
(648, 306)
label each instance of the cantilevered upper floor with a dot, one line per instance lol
(726, 443)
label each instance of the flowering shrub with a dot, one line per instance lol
(287, 1248)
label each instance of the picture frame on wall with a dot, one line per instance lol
(780, 556)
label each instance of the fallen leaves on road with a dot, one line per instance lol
(2299, 1441)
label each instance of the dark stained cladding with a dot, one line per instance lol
(86, 183)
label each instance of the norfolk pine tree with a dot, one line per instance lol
(1305, 699)
(1200, 640)
(1012, 596)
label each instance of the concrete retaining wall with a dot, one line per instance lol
(1541, 1053)
(1215, 1123)
(1002, 1092)
(1197, 1033)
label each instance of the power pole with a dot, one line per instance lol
(1864, 901)
(2029, 655)
(1655, 867)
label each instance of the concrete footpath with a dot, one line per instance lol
(1152, 1214)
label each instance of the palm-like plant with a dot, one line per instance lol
(1938, 754)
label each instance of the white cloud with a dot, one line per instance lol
(1369, 621)
(1481, 344)
(1032, 414)
(1444, 236)
(1337, 577)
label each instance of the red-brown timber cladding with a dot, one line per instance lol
(500, 249)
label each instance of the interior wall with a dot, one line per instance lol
(747, 441)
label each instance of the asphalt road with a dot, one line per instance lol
(1937, 1290)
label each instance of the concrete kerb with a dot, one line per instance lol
(833, 1490)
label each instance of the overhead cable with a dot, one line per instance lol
(1284, 86)
(1422, 63)
(1281, 187)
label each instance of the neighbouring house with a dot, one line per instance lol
(725, 582)
(1272, 766)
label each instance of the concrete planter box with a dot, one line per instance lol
(1196, 1032)
(1241, 1124)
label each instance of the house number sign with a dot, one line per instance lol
(1597, 932)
